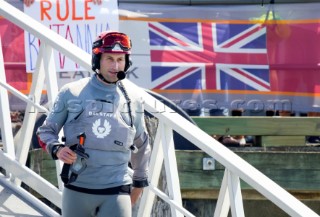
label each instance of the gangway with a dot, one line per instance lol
(16, 201)
(14, 154)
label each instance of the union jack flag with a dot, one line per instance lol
(220, 56)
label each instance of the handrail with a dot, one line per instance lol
(236, 167)
(230, 160)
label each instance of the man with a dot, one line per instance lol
(110, 121)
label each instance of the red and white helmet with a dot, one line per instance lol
(111, 42)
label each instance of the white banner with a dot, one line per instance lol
(78, 21)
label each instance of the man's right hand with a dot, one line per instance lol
(66, 155)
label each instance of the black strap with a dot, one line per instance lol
(133, 148)
(123, 189)
(65, 173)
(140, 183)
(125, 93)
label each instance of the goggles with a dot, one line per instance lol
(114, 42)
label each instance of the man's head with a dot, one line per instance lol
(111, 54)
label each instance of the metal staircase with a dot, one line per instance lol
(13, 159)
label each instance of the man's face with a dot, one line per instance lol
(111, 64)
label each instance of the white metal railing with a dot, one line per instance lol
(163, 150)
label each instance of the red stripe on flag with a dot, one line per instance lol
(175, 77)
(251, 78)
(258, 28)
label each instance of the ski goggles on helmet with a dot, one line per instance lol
(113, 42)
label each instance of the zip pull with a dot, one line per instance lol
(82, 138)
(79, 149)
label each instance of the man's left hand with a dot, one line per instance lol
(135, 195)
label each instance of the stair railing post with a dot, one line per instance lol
(171, 168)
(156, 162)
(229, 196)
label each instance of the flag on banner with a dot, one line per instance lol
(260, 57)
(222, 56)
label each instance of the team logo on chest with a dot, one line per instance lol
(100, 130)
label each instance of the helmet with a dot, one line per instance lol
(111, 42)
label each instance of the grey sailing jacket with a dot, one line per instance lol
(101, 112)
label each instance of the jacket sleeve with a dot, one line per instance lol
(140, 160)
(48, 133)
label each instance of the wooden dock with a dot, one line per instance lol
(280, 152)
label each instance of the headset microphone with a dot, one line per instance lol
(121, 75)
